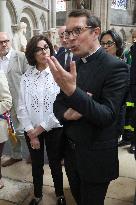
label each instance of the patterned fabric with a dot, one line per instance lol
(37, 95)
(119, 4)
(11, 131)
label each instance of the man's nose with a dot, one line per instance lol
(3, 43)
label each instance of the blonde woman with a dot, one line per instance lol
(5, 105)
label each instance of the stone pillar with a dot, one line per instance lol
(108, 22)
(2, 15)
(96, 7)
(53, 11)
(104, 14)
(49, 15)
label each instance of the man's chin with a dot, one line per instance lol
(5, 52)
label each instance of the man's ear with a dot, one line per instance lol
(97, 32)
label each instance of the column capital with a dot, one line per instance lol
(14, 28)
(36, 31)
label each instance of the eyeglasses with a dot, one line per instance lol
(40, 50)
(76, 31)
(5, 42)
(107, 44)
(62, 35)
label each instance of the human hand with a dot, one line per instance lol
(33, 133)
(35, 143)
(72, 114)
(65, 80)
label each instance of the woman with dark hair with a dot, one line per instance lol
(112, 43)
(38, 91)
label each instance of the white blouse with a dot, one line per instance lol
(38, 91)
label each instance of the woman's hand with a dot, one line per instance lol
(35, 143)
(33, 133)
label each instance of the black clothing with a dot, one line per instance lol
(54, 147)
(61, 58)
(94, 135)
(133, 89)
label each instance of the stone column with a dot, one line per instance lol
(2, 14)
(104, 14)
(108, 22)
(49, 14)
(53, 11)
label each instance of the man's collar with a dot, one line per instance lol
(85, 59)
(67, 50)
(9, 54)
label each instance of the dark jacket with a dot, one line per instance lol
(61, 56)
(95, 134)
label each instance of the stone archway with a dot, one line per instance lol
(30, 18)
(12, 11)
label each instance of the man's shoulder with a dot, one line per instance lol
(17, 53)
(108, 59)
(60, 51)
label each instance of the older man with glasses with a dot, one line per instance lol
(14, 64)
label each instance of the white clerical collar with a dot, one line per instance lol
(90, 53)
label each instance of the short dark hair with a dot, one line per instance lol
(117, 39)
(92, 20)
(31, 46)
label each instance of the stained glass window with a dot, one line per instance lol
(119, 4)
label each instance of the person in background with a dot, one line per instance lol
(113, 44)
(56, 48)
(133, 93)
(64, 55)
(5, 105)
(13, 64)
(88, 107)
(128, 136)
(38, 91)
(63, 43)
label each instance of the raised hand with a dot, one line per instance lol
(65, 80)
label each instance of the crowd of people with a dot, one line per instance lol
(73, 101)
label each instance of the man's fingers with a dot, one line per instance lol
(51, 65)
(57, 64)
(73, 68)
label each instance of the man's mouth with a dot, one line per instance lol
(73, 48)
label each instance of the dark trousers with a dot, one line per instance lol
(84, 192)
(54, 147)
(1, 150)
